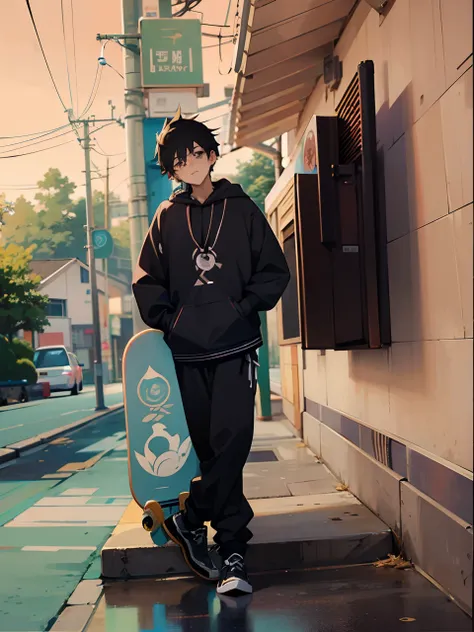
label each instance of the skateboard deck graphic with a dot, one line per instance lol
(161, 458)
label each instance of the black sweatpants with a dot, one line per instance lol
(219, 400)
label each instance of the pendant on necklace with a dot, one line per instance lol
(205, 261)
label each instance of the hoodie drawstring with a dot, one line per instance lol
(252, 368)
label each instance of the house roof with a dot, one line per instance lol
(284, 46)
(48, 268)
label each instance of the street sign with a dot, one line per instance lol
(171, 52)
(164, 103)
(103, 243)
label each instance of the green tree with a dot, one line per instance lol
(56, 228)
(21, 228)
(55, 213)
(121, 235)
(256, 176)
(21, 305)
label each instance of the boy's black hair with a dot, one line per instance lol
(179, 135)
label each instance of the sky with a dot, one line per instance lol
(29, 103)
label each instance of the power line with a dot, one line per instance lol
(217, 45)
(119, 184)
(102, 151)
(37, 151)
(44, 54)
(118, 164)
(94, 91)
(41, 135)
(38, 142)
(189, 6)
(45, 131)
(74, 53)
(65, 55)
(115, 70)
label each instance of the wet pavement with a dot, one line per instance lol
(349, 599)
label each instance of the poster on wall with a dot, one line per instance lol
(306, 155)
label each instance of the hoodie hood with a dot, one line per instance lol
(223, 189)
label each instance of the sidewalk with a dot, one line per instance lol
(301, 520)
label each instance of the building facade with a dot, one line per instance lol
(394, 423)
(66, 282)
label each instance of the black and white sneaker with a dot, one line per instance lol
(233, 576)
(193, 544)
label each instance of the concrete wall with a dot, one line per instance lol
(421, 388)
(396, 424)
(58, 332)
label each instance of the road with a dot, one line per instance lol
(58, 505)
(22, 421)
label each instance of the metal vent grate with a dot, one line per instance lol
(349, 114)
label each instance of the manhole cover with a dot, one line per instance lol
(262, 456)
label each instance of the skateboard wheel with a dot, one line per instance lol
(153, 516)
(182, 499)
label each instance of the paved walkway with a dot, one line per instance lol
(58, 506)
(350, 599)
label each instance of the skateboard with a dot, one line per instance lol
(161, 459)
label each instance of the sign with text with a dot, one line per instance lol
(171, 52)
(163, 103)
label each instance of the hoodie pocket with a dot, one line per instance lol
(209, 327)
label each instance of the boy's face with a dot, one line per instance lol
(196, 167)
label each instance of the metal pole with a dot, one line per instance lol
(106, 261)
(264, 403)
(134, 114)
(164, 8)
(278, 159)
(98, 369)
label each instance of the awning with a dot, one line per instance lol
(285, 45)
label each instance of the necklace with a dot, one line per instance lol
(204, 256)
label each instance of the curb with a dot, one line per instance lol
(15, 450)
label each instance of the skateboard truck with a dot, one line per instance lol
(182, 500)
(153, 516)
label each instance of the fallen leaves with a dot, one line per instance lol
(393, 561)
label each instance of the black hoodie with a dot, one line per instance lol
(210, 315)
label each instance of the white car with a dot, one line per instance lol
(59, 367)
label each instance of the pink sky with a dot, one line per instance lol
(31, 104)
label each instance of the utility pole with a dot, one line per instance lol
(98, 368)
(134, 115)
(106, 261)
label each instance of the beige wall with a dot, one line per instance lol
(420, 389)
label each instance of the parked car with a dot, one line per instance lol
(59, 367)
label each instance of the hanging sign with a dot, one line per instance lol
(171, 52)
(103, 243)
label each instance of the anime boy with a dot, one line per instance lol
(209, 263)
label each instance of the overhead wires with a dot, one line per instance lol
(37, 142)
(66, 55)
(74, 54)
(44, 54)
(37, 151)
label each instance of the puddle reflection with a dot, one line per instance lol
(180, 606)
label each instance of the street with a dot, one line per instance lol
(58, 505)
(257, 216)
(23, 421)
